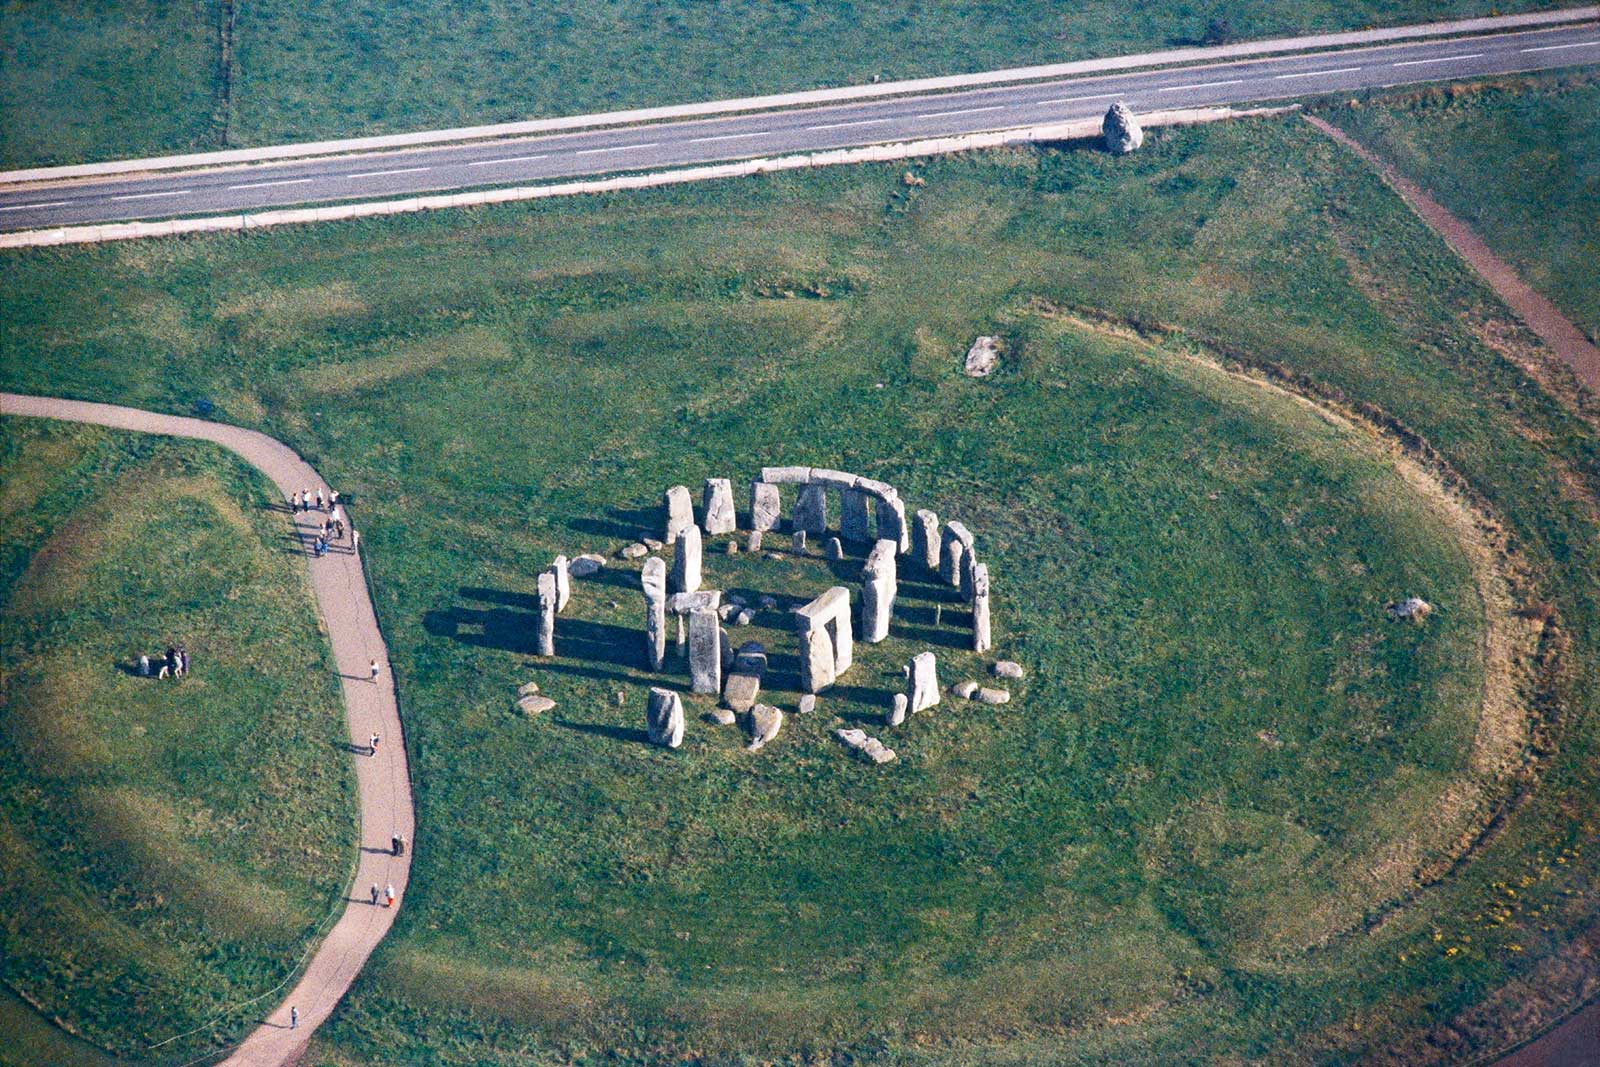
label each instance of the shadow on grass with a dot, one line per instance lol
(524, 601)
(599, 729)
(625, 524)
(944, 637)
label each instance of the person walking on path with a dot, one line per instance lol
(294, 503)
(319, 499)
(397, 845)
(374, 894)
(372, 749)
(355, 540)
(388, 895)
(294, 1017)
(373, 667)
(321, 546)
(333, 497)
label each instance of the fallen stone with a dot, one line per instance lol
(741, 691)
(765, 722)
(680, 512)
(1007, 668)
(982, 357)
(869, 748)
(652, 544)
(534, 704)
(993, 696)
(852, 737)
(964, 690)
(586, 565)
(744, 618)
(1122, 131)
(664, 717)
(717, 503)
(731, 548)
(705, 651)
(922, 682)
(1412, 607)
(897, 710)
(776, 555)
(723, 716)
(832, 549)
(726, 610)
(634, 551)
(527, 689)
(877, 751)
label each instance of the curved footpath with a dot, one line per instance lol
(383, 781)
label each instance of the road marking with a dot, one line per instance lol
(1074, 99)
(1554, 47)
(842, 125)
(507, 159)
(616, 148)
(1441, 59)
(1199, 85)
(263, 185)
(730, 136)
(962, 111)
(385, 173)
(1314, 73)
(147, 196)
(24, 207)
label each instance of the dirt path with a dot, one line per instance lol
(383, 780)
(1539, 314)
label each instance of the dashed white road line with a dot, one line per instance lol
(384, 173)
(24, 207)
(960, 111)
(1314, 73)
(150, 196)
(1075, 99)
(842, 125)
(616, 148)
(1557, 47)
(264, 185)
(1439, 59)
(730, 136)
(1199, 85)
(507, 159)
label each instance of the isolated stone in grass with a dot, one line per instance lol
(1412, 607)
(635, 550)
(897, 710)
(1122, 131)
(534, 704)
(745, 617)
(797, 543)
(731, 548)
(1007, 668)
(527, 689)
(964, 690)
(994, 696)
(621, 698)
(808, 703)
(922, 682)
(664, 717)
(680, 512)
(765, 722)
(585, 565)
(982, 357)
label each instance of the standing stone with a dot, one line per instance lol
(981, 638)
(982, 357)
(546, 644)
(717, 502)
(897, 710)
(663, 717)
(680, 512)
(1122, 131)
(969, 568)
(878, 588)
(765, 722)
(654, 581)
(955, 546)
(766, 506)
(891, 512)
(925, 538)
(833, 549)
(753, 542)
(922, 685)
(853, 519)
(816, 660)
(686, 561)
(827, 647)
(563, 582)
(811, 509)
(797, 542)
(705, 651)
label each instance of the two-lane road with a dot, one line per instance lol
(669, 144)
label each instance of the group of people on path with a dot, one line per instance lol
(175, 664)
(332, 528)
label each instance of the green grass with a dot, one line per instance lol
(110, 81)
(1219, 735)
(169, 848)
(1518, 166)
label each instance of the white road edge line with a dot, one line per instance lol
(842, 125)
(1556, 47)
(1314, 73)
(1440, 59)
(615, 148)
(508, 159)
(961, 111)
(383, 173)
(148, 196)
(730, 136)
(1074, 99)
(1199, 85)
(24, 207)
(263, 185)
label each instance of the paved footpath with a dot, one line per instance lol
(383, 780)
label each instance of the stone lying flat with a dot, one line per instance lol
(724, 716)
(786, 475)
(993, 696)
(1007, 668)
(634, 551)
(683, 603)
(765, 722)
(744, 618)
(585, 565)
(982, 357)
(808, 703)
(527, 689)
(869, 748)
(534, 704)
(652, 544)
(964, 690)
(744, 680)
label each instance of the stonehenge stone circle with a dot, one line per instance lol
(686, 560)
(869, 748)
(744, 680)
(797, 542)
(663, 717)
(705, 651)
(981, 638)
(680, 512)
(717, 502)
(1122, 131)
(891, 513)
(925, 538)
(954, 546)
(766, 507)
(765, 722)
(546, 643)
(854, 519)
(585, 565)
(827, 646)
(878, 588)
(563, 582)
(833, 549)
(922, 683)
(811, 509)
(653, 579)
(897, 710)
(992, 696)
(1007, 668)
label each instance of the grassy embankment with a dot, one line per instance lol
(1517, 163)
(82, 82)
(1220, 735)
(166, 848)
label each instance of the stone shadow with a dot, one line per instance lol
(499, 628)
(524, 601)
(600, 729)
(625, 524)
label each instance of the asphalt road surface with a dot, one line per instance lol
(534, 159)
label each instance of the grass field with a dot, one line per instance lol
(1519, 166)
(167, 849)
(1224, 763)
(101, 81)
